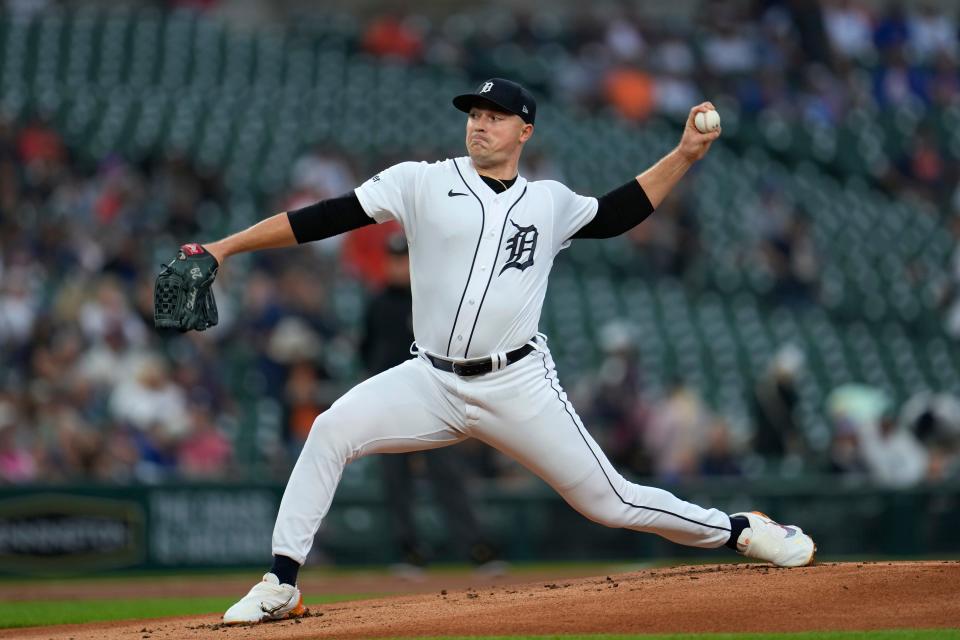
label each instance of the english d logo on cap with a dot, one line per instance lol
(503, 94)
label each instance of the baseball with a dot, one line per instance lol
(707, 121)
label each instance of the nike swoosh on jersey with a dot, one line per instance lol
(452, 193)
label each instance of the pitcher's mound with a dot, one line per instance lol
(713, 598)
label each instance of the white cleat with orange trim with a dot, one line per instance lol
(782, 545)
(267, 600)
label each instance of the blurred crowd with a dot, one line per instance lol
(785, 62)
(86, 392)
(89, 391)
(675, 435)
(803, 59)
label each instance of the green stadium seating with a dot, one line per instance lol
(138, 81)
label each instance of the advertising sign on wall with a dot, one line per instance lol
(62, 533)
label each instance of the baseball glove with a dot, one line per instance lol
(182, 297)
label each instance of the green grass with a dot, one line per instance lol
(439, 568)
(46, 612)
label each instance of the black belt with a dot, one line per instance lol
(477, 366)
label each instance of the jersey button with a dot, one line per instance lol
(471, 302)
(482, 268)
(460, 338)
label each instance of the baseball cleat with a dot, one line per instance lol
(784, 546)
(268, 600)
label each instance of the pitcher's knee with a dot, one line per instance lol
(329, 438)
(604, 506)
(613, 517)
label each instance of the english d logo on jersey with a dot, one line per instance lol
(521, 247)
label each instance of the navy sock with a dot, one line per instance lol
(737, 525)
(285, 569)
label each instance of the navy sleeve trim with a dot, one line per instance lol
(619, 211)
(328, 218)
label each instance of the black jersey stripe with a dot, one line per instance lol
(546, 376)
(493, 269)
(483, 222)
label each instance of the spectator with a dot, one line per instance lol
(624, 39)
(292, 364)
(388, 334)
(730, 49)
(844, 454)
(109, 361)
(674, 63)
(933, 33)
(676, 432)
(823, 99)
(19, 304)
(150, 402)
(892, 31)
(891, 456)
(719, 456)
(17, 464)
(205, 451)
(303, 402)
(363, 255)
(774, 404)
(849, 26)
(109, 311)
(934, 418)
(119, 456)
(631, 91)
(614, 405)
(40, 146)
(393, 36)
(898, 83)
(672, 92)
(320, 174)
(808, 18)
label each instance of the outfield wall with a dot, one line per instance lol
(78, 529)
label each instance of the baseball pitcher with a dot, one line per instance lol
(482, 240)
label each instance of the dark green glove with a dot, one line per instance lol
(182, 297)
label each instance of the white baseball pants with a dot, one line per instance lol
(521, 410)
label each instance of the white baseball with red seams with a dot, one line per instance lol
(707, 121)
(479, 265)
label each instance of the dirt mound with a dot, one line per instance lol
(714, 598)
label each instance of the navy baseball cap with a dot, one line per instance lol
(505, 94)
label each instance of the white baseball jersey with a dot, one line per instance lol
(479, 261)
(479, 266)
